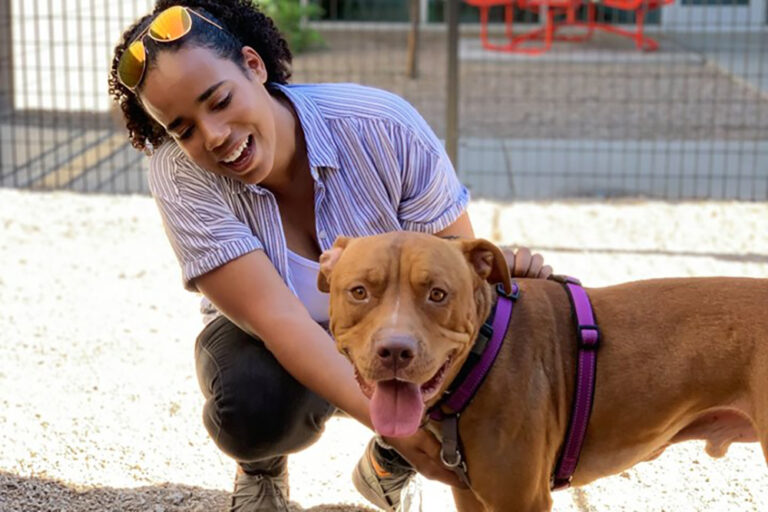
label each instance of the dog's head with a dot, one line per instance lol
(405, 309)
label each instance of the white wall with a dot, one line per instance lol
(62, 54)
(715, 17)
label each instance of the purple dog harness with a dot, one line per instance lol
(448, 409)
(588, 336)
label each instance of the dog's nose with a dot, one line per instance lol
(396, 354)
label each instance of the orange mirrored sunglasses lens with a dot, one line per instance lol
(170, 24)
(132, 64)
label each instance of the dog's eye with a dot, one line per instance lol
(437, 295)
(359, 293)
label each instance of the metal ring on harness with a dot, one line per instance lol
(451, 465)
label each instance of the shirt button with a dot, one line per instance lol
(322, 234)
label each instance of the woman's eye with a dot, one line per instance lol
(185, 134)
(437, 295)
(359, 293)
(223, 103)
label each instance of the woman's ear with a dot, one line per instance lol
(254, 64)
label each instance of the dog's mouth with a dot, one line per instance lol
(428, 389)
(366, 387)
(397, 406)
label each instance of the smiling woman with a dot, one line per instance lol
(253, 179)
(222, 116)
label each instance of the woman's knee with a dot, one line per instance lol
(251, 431)
(254, 408)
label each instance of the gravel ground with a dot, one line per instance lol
(99, 404)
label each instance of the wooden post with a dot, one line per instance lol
(304, 20)
(412, 66)
(452, 76)
(6, 58)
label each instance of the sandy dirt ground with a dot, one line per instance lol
(100, 408)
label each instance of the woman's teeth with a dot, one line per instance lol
(234, 155)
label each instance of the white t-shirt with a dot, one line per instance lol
(304, 276)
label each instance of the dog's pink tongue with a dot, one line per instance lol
(396, 408)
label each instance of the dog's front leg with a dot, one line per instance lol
(466, 501)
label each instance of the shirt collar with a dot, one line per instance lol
(320, 146)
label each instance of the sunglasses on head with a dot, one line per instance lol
(170, 25)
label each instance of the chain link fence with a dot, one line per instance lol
(588, 115)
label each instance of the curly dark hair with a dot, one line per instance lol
(245, 25)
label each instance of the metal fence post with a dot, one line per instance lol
(452, 77)
(6, 58)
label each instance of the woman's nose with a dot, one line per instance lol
(214, 134)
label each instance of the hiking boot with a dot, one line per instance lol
(260, 492)
(380, 476)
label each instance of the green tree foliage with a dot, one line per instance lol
(288, 15)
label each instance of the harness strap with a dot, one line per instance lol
(465, 390)
(450, 453)
(588, 336)
(448, 410)
(474, 356)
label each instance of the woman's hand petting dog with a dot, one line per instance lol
(523, 263)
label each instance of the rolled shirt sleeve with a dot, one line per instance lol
(432, 196)
(202, 228)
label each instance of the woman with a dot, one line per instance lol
(253, 179)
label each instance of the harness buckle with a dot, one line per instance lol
(511, 296)
(486, 331)
(589, 336)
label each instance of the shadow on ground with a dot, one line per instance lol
(35, 493)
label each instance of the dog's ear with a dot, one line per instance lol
(488, 261)
(328, 260)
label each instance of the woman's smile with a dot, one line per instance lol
(239, 159)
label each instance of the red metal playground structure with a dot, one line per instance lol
(562, 13)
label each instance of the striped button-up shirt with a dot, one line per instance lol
(376, 164)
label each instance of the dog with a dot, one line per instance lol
(678, 359)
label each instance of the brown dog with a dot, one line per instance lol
(679, 359)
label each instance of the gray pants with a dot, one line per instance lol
(255, 411)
